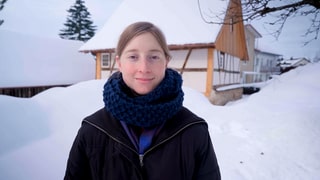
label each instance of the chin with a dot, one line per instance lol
(143, 91)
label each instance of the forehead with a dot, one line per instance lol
(144, 41)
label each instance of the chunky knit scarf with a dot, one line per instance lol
(147, 110)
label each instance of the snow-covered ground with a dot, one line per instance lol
(273, 134)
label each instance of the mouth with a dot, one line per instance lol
(144, 80)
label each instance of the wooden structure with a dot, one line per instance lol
(190, 39)
(26, 92)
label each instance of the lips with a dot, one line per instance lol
(144, 80)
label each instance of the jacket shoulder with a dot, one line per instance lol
(184, 119)
(185, 116)
(101, 118)
(96, 116)
(103, 121)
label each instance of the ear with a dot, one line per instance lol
(167, 62)
(118, 62)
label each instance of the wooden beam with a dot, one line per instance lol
(191, 69)
(171, 47)
(98, 66)
(191, 46)
(185, 61)
(113, 64)
(210, 61)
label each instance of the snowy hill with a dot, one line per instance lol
(36, 61)
(273, 134)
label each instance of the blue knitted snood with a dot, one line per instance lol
(147, 110)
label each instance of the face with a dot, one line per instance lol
(142, 63)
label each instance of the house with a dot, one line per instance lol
(266, 61)
(262, 62)
(32, 64)
(262, 59)
(287, 65)
(266, 58)
(206, 54)
(248, 66)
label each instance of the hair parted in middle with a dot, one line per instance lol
(137, 29)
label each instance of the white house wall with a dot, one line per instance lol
(197, 59)
(266, 63)
(224, 75)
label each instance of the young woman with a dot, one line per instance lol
(143, 132)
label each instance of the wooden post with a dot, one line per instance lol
(113, 63)
(98, 66)
(185, 61)
(210, 69)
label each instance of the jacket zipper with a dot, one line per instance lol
(141, 159)
(141, 156)
(115, 139)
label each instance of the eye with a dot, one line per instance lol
(154, 57)
(132, 57)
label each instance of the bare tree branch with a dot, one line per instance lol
(2, 2)
(257, 9)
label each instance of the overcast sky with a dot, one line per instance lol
(46, 17)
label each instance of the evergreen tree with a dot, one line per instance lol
(1, 7)
(78, 25)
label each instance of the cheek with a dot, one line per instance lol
(122, 66)
(127, 68)
(161, 71)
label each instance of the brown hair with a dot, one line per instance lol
(137, 29)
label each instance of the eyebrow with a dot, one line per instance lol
(135, 50)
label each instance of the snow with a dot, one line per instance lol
(180, 24)
(273, 134)
(28, 60)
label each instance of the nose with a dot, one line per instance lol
(144, 65)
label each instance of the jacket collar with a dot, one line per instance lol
(105, 122)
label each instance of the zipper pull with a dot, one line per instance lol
(141, 159)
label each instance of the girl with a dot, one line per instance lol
(143, 132)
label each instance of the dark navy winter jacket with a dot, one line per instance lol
(181, 151)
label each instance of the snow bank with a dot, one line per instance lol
(35, 61)
(272, 134)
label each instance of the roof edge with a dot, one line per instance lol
(171, 47)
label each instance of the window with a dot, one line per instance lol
(105, 60)
(231, 24)
(221, 60)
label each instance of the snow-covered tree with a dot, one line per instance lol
(78, 26)
(1, 7)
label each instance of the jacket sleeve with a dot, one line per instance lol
(78, 164)
(206, 166)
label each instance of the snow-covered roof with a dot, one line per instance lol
(180, 20)
(293, 62)
(253, 30)
(33, 61)
(262, 46)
